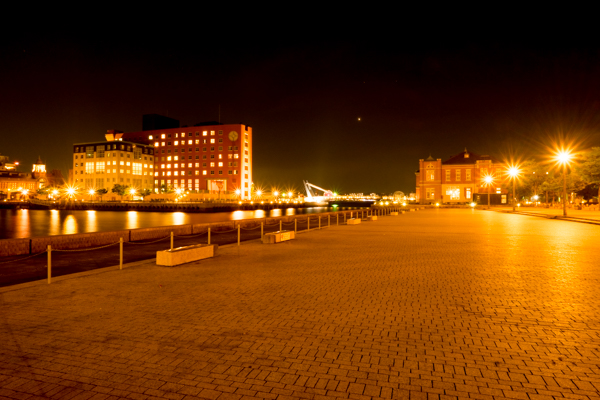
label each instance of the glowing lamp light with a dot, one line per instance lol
(238, 191)
(437, 204)
(472, 204)
(91, 192)
(259, 192)
(55, 192)
(290, 194)
(178, 191)
(132, 191)
(513, 171)
(488, 179)
(564, 156)
(276, 193)
(24, 192)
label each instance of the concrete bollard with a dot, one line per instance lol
(120, 253)
(261, 231)
(171, 240)
(239, 234)
(209, 235)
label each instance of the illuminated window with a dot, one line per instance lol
(122, 163)
(197, 172)
(169, 158)
(168, 173)
(162, 136)
(128, 164)
(204, 172)
(176, 142)
(197, 142)
(190, 141)
(468, 193)
(156, 144)
(197, 165)
(453, 192)
(220, 164)
(150, 137)
(122, 171)
(162, 144)
(189, 165)
(176, 166)
(175, 158)
(176, 173)
(212, 133)
(430, 193)
(204, 133)
(168, 165)
(89, 167)
(212, 140)
(212, 164)
(220, 156)
(236, 156)
(100, 167)
(137, 168)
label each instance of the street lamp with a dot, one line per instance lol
(488, 179)
(514, 172)
(564, 157)
(132, 192)
(91, 192)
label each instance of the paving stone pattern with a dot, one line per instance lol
(436, 304)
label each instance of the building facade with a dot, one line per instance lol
(101, 165)
(215, 157)
(13, 183)
(457, 179)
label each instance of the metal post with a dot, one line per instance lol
(337, 218)
(344, 217)
(308, 220)
(171, 241)
(280, 225)
(565, 190)
(49, 263)
(209, 235)
(350, 214)
(120, 253)
(262, 234)
(329, 220)
(295, 225)
(239, 235)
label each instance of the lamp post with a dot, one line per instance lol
(132, 193)
(488, 179)
(514, 172)
(564, 157)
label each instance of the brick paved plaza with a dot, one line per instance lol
(435, 304)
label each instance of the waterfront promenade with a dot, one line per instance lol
(434, 304)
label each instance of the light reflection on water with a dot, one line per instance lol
(32, 223)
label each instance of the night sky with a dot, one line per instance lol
(304, 98)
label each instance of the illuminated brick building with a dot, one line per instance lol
(457, 179)
(101, 165)
(13, 182)
(212, 156)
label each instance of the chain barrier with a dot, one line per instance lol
(249, 229)
(155, 241)
(88, 249)
(190, 236)
(276, 223)
(24, 258)
(233, 230)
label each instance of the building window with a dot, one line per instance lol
(468, 174)
(448, 178)
(468, 193)
(89, 167)
(137, 168)
(430, 193)
(453, 193)
(100, 167)
(89, 152)
(458, 175)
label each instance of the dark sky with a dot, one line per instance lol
(303, 98)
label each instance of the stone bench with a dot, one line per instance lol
(186, 254)
(371, 218)
(394, 213)
(411, 210)
(353, 221)
(279, 236)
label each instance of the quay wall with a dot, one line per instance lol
(26, 246)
